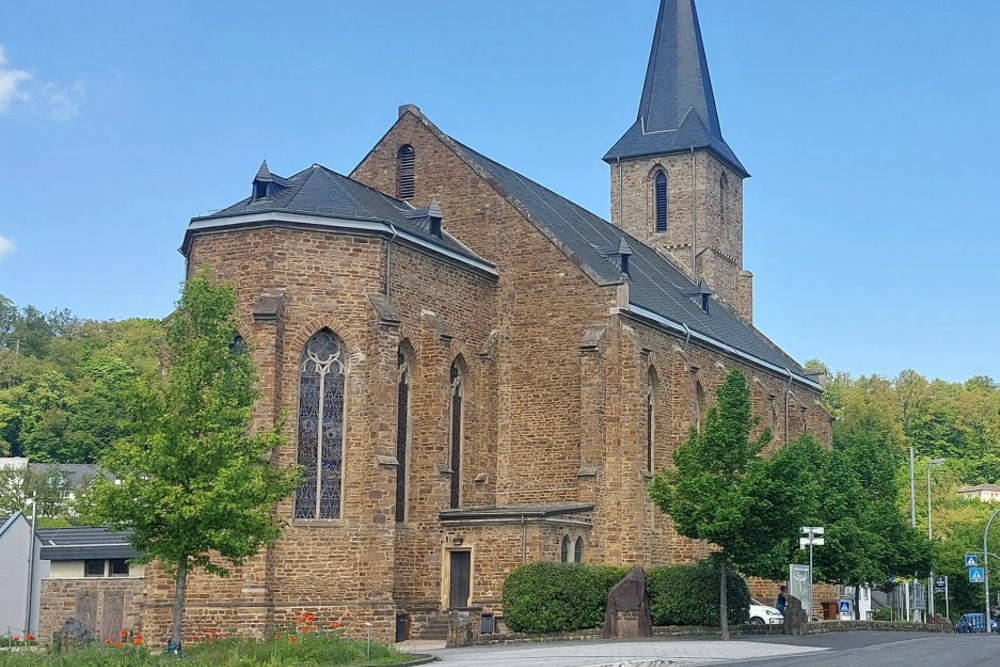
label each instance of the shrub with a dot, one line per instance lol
(555, 597)
(689, 595)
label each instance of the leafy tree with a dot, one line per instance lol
(194, 483)
(721, 491)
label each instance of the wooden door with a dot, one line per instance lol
(461, 572)
(111, 616)
(86, 611)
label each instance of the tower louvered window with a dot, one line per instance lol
(457, 389)
(320, 446)
(660, 187)
(405, 163)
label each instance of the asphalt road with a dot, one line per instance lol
(886, 649)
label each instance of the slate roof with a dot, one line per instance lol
(318, 191)
(82, 542)
(75, 474)
(677, 109)
(654, 282)
(515, 511)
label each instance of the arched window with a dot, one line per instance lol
(321, 428)
(402, 434)
(650, 416)
(405, 160)
(564, 551)
(578, 551)
(457, 390)
(699, 406)
(660, 196)
(723, 197)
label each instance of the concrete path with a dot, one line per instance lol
(657, 652)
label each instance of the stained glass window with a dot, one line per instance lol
(564, 551)
(321, 428)
(578, 551)
(402, 435)
(650, 416)
(457, 390)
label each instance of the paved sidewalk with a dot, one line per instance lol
(649, 653)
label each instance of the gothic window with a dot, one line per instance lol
(699, 406)
(578, 551)
(564, 551)
(457, 391)
(650, 416)
(405, 162)
(321, 428)
(402, 435)
(660, 190)
(723, 198)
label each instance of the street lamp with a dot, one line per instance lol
(930, 536)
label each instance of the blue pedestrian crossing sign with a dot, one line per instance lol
(971, 560)
(845, 607)
(976, 575)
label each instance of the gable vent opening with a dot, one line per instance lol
(405, 162)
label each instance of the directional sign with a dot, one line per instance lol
(977, 575)
(971, 560)
(940, 584)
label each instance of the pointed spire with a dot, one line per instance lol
(677, 110)
(263, 174)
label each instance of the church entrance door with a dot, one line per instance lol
(460, 573)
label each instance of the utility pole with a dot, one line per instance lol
(813, 537)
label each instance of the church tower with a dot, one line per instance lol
(675, 182)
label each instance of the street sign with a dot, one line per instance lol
(845, 610)
(940, 584)
(971, 560)
(977, 575)
(813, 531)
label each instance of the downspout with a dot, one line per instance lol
(388, 260)
(694, 217)
(524, 541)
(788, 394)
(31, 564)
(687, 337)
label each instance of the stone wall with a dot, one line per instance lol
(107, 605)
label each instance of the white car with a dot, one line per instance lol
(762, 614)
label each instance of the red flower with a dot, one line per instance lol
(30, 637)
(15, 638)
(108, 640)
(291, 639)
(123, 633)
(138, 635)
(276, 637)
(138, 641)
(118, 644)
(334, 624)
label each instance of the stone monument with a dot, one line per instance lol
(627, 616)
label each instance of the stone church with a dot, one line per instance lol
(478, 373)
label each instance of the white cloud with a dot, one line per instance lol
(57, 101)
(10, 82)
(60, 102)
(6, 247)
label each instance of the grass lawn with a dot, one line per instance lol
(285, 650)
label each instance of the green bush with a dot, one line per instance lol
(689, 595)
(555, 597)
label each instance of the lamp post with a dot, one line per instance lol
(986, 570)
(930, 536)
(814, 537)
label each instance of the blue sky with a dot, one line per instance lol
(869, 127)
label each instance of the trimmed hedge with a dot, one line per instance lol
(553, 597)
(689, 595)
(556, 597)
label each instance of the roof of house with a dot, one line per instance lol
(655, 283)
(82, 542)
(10, 521)
(74, 474)
(320, 192)
(980, 487)
(677, 109)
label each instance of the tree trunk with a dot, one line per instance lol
(857, 600)
(179, 592)
(723, 602)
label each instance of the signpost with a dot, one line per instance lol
(977, 575)
(845, 611)
(971, 560)
(941, 586)
(813, 537)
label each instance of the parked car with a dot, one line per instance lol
(974, 623)
(762, 614)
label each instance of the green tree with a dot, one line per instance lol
(194, 482)
(721, 491)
